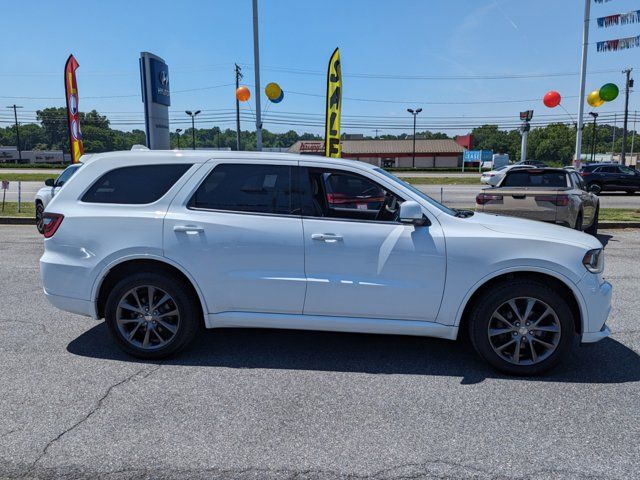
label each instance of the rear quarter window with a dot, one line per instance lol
(135, 185)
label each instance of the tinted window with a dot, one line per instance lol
(247, 188)
(535, 179)
(352, 192)
(578, 181)
(626, 170)
(608, 170)
(66, 175)
(135, 185)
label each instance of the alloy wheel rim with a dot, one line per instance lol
(524, 331)
(147, 317)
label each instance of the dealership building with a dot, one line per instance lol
(392, 153)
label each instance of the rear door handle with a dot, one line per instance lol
(326, 237)
(188, 229)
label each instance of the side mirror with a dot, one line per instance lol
(50, 182)
(411, 212)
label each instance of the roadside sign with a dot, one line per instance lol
(5, 184)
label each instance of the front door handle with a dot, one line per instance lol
(188, 229)
(326, 237)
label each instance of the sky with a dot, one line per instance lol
(440, 55)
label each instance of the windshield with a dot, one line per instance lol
(66, 175)
(416, 191)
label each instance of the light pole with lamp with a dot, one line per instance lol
(415, 114)
(193, 125)
(178, 130)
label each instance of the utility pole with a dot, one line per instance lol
(628, 85)
(376, 130)
(593, 135)
(15, 116)
(633, 137)
(256, 62)
(238, 77)
(583, 78)
(415, 114)
(526, 117)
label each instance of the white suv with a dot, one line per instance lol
(159, 242)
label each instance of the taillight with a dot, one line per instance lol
(484, 198)
(51, 222)
(558, 200)
(584, 174)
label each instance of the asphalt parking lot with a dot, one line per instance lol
(283, 404)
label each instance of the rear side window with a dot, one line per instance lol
(247, 188)
(135, 185)
(535, 179)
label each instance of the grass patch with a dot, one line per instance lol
(443, 180)
(620, 214)
(27, 177)
(27, 209)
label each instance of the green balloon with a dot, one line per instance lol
(609, 91)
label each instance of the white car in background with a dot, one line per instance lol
(51, 188)
(493, 177)
(161, 242)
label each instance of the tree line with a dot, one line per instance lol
(552, 143)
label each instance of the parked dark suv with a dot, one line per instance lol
(610, 177)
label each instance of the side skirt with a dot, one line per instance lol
(331, 324)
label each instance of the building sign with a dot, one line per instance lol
(316, 148)
(477, 155)
(154, 77)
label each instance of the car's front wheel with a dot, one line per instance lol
(522, 327)
(40, 217)
(151, 316)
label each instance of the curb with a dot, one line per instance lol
(17, 221)
(31, 221)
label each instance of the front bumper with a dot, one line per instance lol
(597, 295)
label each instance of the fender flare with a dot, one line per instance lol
(97, 284)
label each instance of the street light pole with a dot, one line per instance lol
(415, 114)
(583, 79)
(15, 116)
(178, 130)
(193, 125)
(593, 135)
(238, 77)
(256, 66)
(628, 84)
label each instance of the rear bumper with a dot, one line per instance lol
(73, 305)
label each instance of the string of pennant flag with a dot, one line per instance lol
(619, 19)
(618, 44)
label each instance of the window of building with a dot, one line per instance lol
(135, 185)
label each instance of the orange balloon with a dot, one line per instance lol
(243, 94)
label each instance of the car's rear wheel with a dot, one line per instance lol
(522, 327)
(151, 316)
(593, 228)
(595, 188)
(40, 217)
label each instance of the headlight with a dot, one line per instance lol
(593, 260)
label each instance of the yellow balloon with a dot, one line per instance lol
(272, 90)
(594, 99)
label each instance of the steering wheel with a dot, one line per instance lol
(389, 210)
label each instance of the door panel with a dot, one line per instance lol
(242, 260)
(370, 269)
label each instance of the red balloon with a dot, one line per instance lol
(551, 99)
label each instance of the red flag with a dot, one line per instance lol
(71, 93)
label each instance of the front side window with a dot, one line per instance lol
(577, 179)
(342, 194)
(626, 170)
(139, 184)
(247, 188)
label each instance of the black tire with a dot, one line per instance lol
(593, 228)
(502, 293)
(186, 303)
(595, 188)
(40, 217)
(578, 225)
